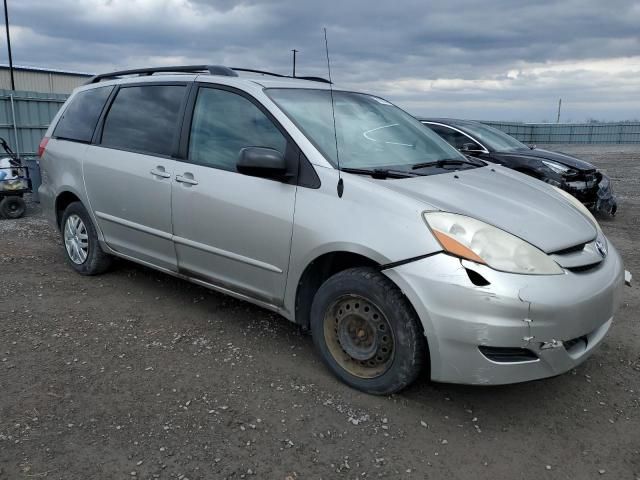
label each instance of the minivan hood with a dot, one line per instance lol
(509, 200)
(558, 157)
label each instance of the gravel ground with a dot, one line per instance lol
(135, 374)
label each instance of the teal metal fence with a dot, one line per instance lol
(593, 133)
(25, 116)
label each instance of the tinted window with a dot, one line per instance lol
(81, 115)
(144, 118)
(455, 138)
(494, 138)
(223, 124)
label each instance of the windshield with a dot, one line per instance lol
(493, 138)
(371, 132)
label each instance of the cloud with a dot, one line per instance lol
(498, 59)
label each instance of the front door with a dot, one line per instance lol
(230, 229)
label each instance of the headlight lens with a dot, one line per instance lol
(580, 207)
(468, 238)
(556, 167)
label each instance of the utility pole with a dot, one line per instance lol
(6, 26)
(294, 59)
(559, 107)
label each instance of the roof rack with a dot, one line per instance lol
(271, 74)
(210, 69)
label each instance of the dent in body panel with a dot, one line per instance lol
(455, 313)
(538, 312)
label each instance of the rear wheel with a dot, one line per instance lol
(80, 242)
(12, 206)
(366, 331)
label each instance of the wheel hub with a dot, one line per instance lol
(359, 336)
(76, 239)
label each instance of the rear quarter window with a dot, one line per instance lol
(81, 116)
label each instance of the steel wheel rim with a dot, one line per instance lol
(76, 239)
(359, 336)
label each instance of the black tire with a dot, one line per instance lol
(358, 289)
(96, 261)
(12, 206)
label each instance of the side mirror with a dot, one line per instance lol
(262, 162)
(470, 147)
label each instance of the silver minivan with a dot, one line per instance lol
(337, 210)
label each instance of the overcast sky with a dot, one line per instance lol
(489, 59)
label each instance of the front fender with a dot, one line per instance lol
(369, 220)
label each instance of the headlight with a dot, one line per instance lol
(580, 207)
(556, 167)
(466, 237)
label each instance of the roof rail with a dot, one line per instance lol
(314, 79)
(210, 69)
(262, 72)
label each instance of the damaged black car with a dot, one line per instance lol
(581, 179)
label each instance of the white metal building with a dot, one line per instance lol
(45, 80)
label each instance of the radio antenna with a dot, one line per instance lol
(333, 114)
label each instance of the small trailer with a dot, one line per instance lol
(14, 183)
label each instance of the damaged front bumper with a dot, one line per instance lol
(594, 191)
(515, 328)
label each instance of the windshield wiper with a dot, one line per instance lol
(381, 173)
(447, 161)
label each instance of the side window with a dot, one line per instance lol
(453, 137)
(79, 119)
(223, 124)
(144, 118)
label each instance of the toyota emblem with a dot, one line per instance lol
(601, 247)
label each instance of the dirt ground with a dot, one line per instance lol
(135, 374)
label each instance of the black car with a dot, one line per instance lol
(579, 178)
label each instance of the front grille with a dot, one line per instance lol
(507, 354)
(583, 268)
(581, 258)
(566, 251)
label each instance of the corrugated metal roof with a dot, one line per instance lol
(42, 80)
(25, 68)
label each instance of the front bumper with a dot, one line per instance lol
(560, 318)
(594, 191)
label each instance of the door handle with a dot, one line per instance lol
(160, 172)
(185, 179)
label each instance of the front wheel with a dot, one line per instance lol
(366, 331)
(80, 241)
